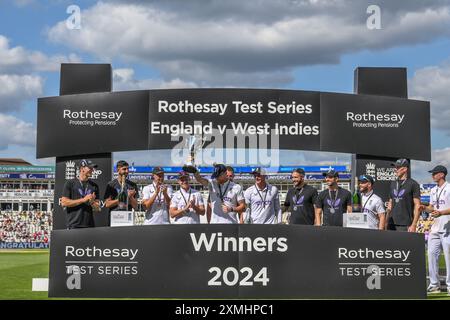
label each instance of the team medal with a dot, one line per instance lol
(397, 191)
(332, 203)
(296, 199)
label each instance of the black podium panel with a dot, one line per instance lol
(236, 261)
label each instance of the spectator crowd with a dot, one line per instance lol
(25, 226)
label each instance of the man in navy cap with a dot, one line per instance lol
(187, 204)
(79, 197)
(156, 199)
(404, 203)
(300, 200)
(439, 237)
(332, 202)
(226, 197)
(371, 204)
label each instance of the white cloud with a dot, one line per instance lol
(258, 43)
(16, 89)
(420, 168)
(19, 60)
(16, 132)
(123, 79)
(433, 84)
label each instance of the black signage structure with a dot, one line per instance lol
(93, 123)
(382, 82)
(226, 261)
(374, 125)
(303, 120)
(236, 261)
(85, 78)
(75, 79)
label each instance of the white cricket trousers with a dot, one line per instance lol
(438, 242)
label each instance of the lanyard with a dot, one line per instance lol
(85, 188)
(332, 202)
(225, 192)
(265, 196)
(438, 197)
(364, 206)
(158, 197)
(125, 185)
(189, 198)
(297, 196)
(398, 188)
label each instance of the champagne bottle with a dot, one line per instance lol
(356, 198)
(123, 196)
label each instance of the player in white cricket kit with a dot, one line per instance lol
(156, 199)
(371, 203)
(439, 237)
(262, 201)
(187, 204)
(226, 197)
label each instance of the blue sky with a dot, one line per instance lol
(295, 44)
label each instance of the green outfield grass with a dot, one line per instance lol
(19, 267)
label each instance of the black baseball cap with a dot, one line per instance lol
(439, 169)
(218, 170)
(260, 171)
(88, 163)
(364, 178)
(331, 173)
(400, 163)
(157, 170)
(182, 174)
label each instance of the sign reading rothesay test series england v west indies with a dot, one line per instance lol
(291, 115)
(300, 120)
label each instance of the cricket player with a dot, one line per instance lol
(439, 237)
(187, 205)
(156, 199)
(226, 197)
(262, 201)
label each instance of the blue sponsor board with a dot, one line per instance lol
(170, 176)
(23, 245)
(27, 176)
(147, 169)
(282, 169)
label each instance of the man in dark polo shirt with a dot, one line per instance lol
(80, 198)
(332, 202)
(300, 200)
(404, 203)
(115, 187)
